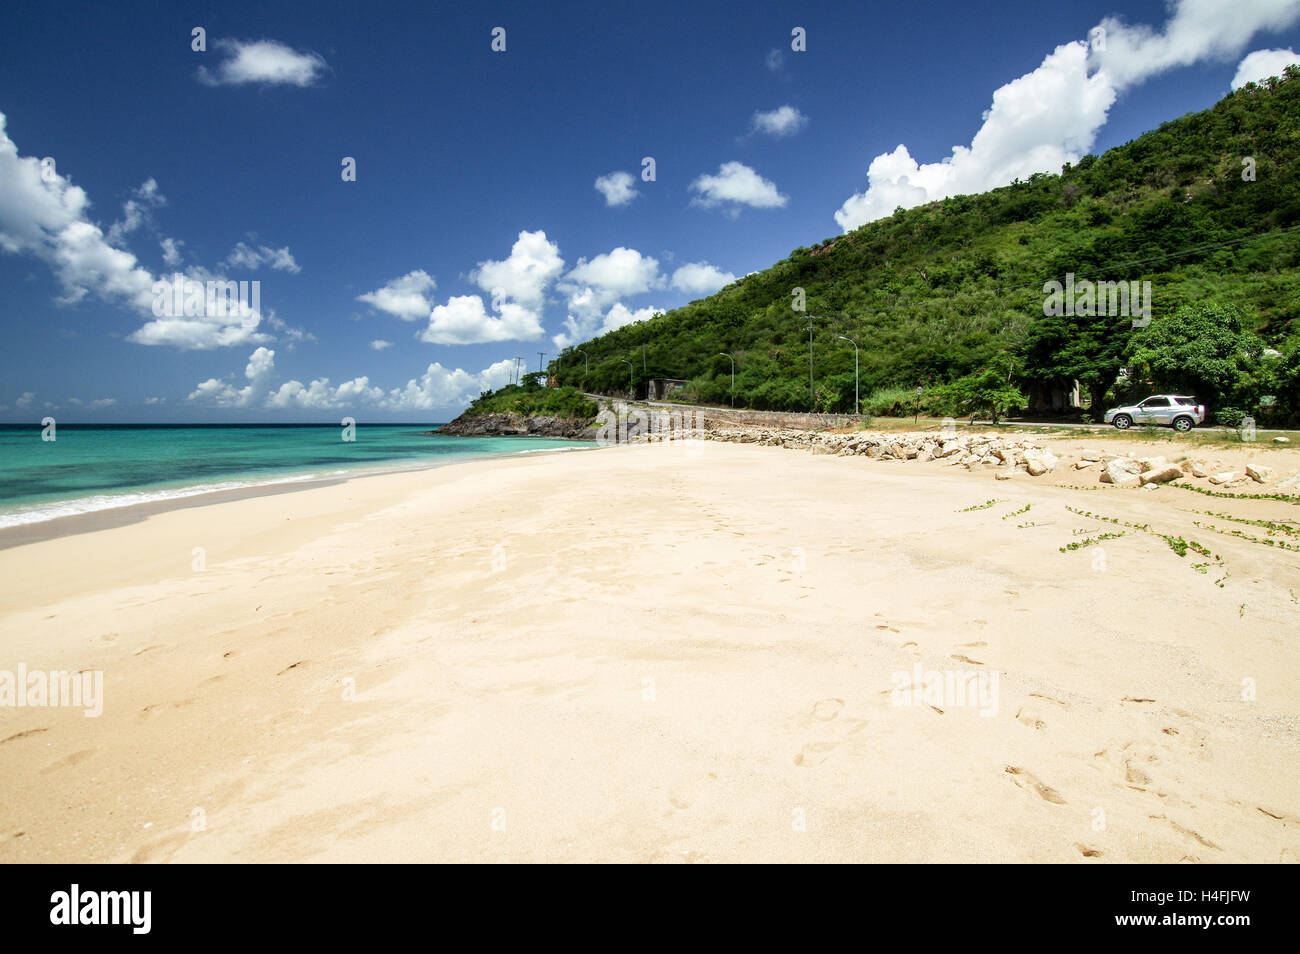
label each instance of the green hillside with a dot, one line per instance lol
(950, 295)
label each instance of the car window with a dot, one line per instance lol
(1155, 402)
(1184, 400)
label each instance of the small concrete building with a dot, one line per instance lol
(658, 389)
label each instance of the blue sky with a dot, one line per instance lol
(475, 230)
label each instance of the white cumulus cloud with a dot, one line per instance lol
(258, 371)
(533, 264)
(1262, 64)
(1051, 116)
(736, 185)
(171, 249)
(465, 320)
(44, 215)
(437, 387)
(700, 278)
(406, 297)
(135, 210)
(782, 121)
(245, 256)
(267, 62)
(620, 315)
(618, 188)
(593, 287)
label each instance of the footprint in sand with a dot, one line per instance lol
(1039, 695)
(1277, 814)
(68, 761)
(687, 792)
(815, 753)
(1030, 717)
(21, 735)
(1134, 775)
(1028, 782)
(827, 709)
(966, 659)
(1185, 831)
(1088, 852)
(157, 708)
(141, 652)
(160, 849)
(300, 662)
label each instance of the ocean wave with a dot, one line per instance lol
(551, 450)
(39, 513)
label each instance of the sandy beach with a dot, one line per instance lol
(689, 652)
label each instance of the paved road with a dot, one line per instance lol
(962, 421)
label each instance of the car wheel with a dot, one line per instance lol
(1123, 422)
(1182, 423)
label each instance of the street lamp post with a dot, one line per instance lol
(856, 405)
(733, 375)
(586, 365)
(631, 388)
(812, 399)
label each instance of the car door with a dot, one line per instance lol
(1154, 410)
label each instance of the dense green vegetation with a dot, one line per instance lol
(530, 399)
(950, 295)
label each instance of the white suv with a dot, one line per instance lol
(1172, 410)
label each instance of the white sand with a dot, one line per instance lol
(688, 655)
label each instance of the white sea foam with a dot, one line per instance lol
(551, 450)
(39, 513)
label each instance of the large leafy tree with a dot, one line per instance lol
(1087, 348)
(1204, 350)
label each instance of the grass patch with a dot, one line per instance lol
(1285, 498)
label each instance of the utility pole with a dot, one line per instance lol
(643, 371)
(541, 369)
(812, 399)
(517, 360)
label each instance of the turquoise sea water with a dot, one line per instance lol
(96, 467)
